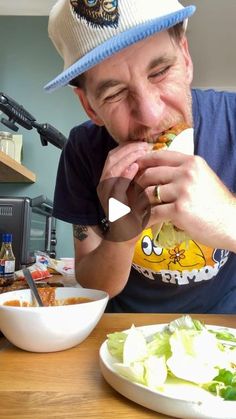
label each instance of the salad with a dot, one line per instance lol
(185, 350)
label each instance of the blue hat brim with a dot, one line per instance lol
(117, 43)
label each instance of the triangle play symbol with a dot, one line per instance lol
(116, 209)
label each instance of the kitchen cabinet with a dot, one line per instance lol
(13, 172)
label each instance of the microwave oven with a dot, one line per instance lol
(32, 226)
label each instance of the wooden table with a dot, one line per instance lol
(69, 384)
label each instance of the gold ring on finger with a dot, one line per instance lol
(157, 195)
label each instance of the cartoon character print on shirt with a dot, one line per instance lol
(100, 13)
(181, 265)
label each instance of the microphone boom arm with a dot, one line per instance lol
(17, 114)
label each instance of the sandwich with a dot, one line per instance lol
(177, 138)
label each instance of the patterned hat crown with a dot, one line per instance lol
(85, 32)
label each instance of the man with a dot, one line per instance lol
(130, 66)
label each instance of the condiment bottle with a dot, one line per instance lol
(7, 144)
(7, 261)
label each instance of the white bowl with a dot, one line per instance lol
(50, 329)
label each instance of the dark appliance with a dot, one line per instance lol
(32, 225)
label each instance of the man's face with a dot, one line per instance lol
(142, 90)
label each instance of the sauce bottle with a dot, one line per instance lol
(7, 261)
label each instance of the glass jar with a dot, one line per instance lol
(7, 144)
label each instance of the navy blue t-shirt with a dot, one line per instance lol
(190, 278)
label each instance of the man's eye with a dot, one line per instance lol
(160, 73)
(115, 96)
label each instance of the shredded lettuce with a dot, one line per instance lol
(185, 349)
(168, 236)
(224, 335)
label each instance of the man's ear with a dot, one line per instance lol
(87, 107)
(187, 59)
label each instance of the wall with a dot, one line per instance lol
(212, 34)
(28, 60)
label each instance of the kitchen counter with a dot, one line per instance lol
(69, 384)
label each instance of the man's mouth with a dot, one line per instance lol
(156, 137)
(152, 137)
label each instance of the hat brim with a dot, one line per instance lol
(117, 43)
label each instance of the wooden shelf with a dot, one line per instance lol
(13, 172)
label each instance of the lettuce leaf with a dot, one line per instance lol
(168, 236)
(223, 385)
(135, 346)
(133, 372)
(155, 371)
(115, 344)
(160, 344)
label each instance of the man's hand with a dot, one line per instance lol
(193, 198)
(117, 181)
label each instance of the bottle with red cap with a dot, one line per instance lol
(7, 261)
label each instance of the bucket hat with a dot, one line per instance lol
(86, 32)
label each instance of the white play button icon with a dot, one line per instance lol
(116, 209)
(125, 209)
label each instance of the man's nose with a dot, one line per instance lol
(148, 107)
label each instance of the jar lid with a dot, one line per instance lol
(5, 134)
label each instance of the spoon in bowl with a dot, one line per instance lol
(32, 286)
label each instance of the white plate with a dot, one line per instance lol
(181, 401)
